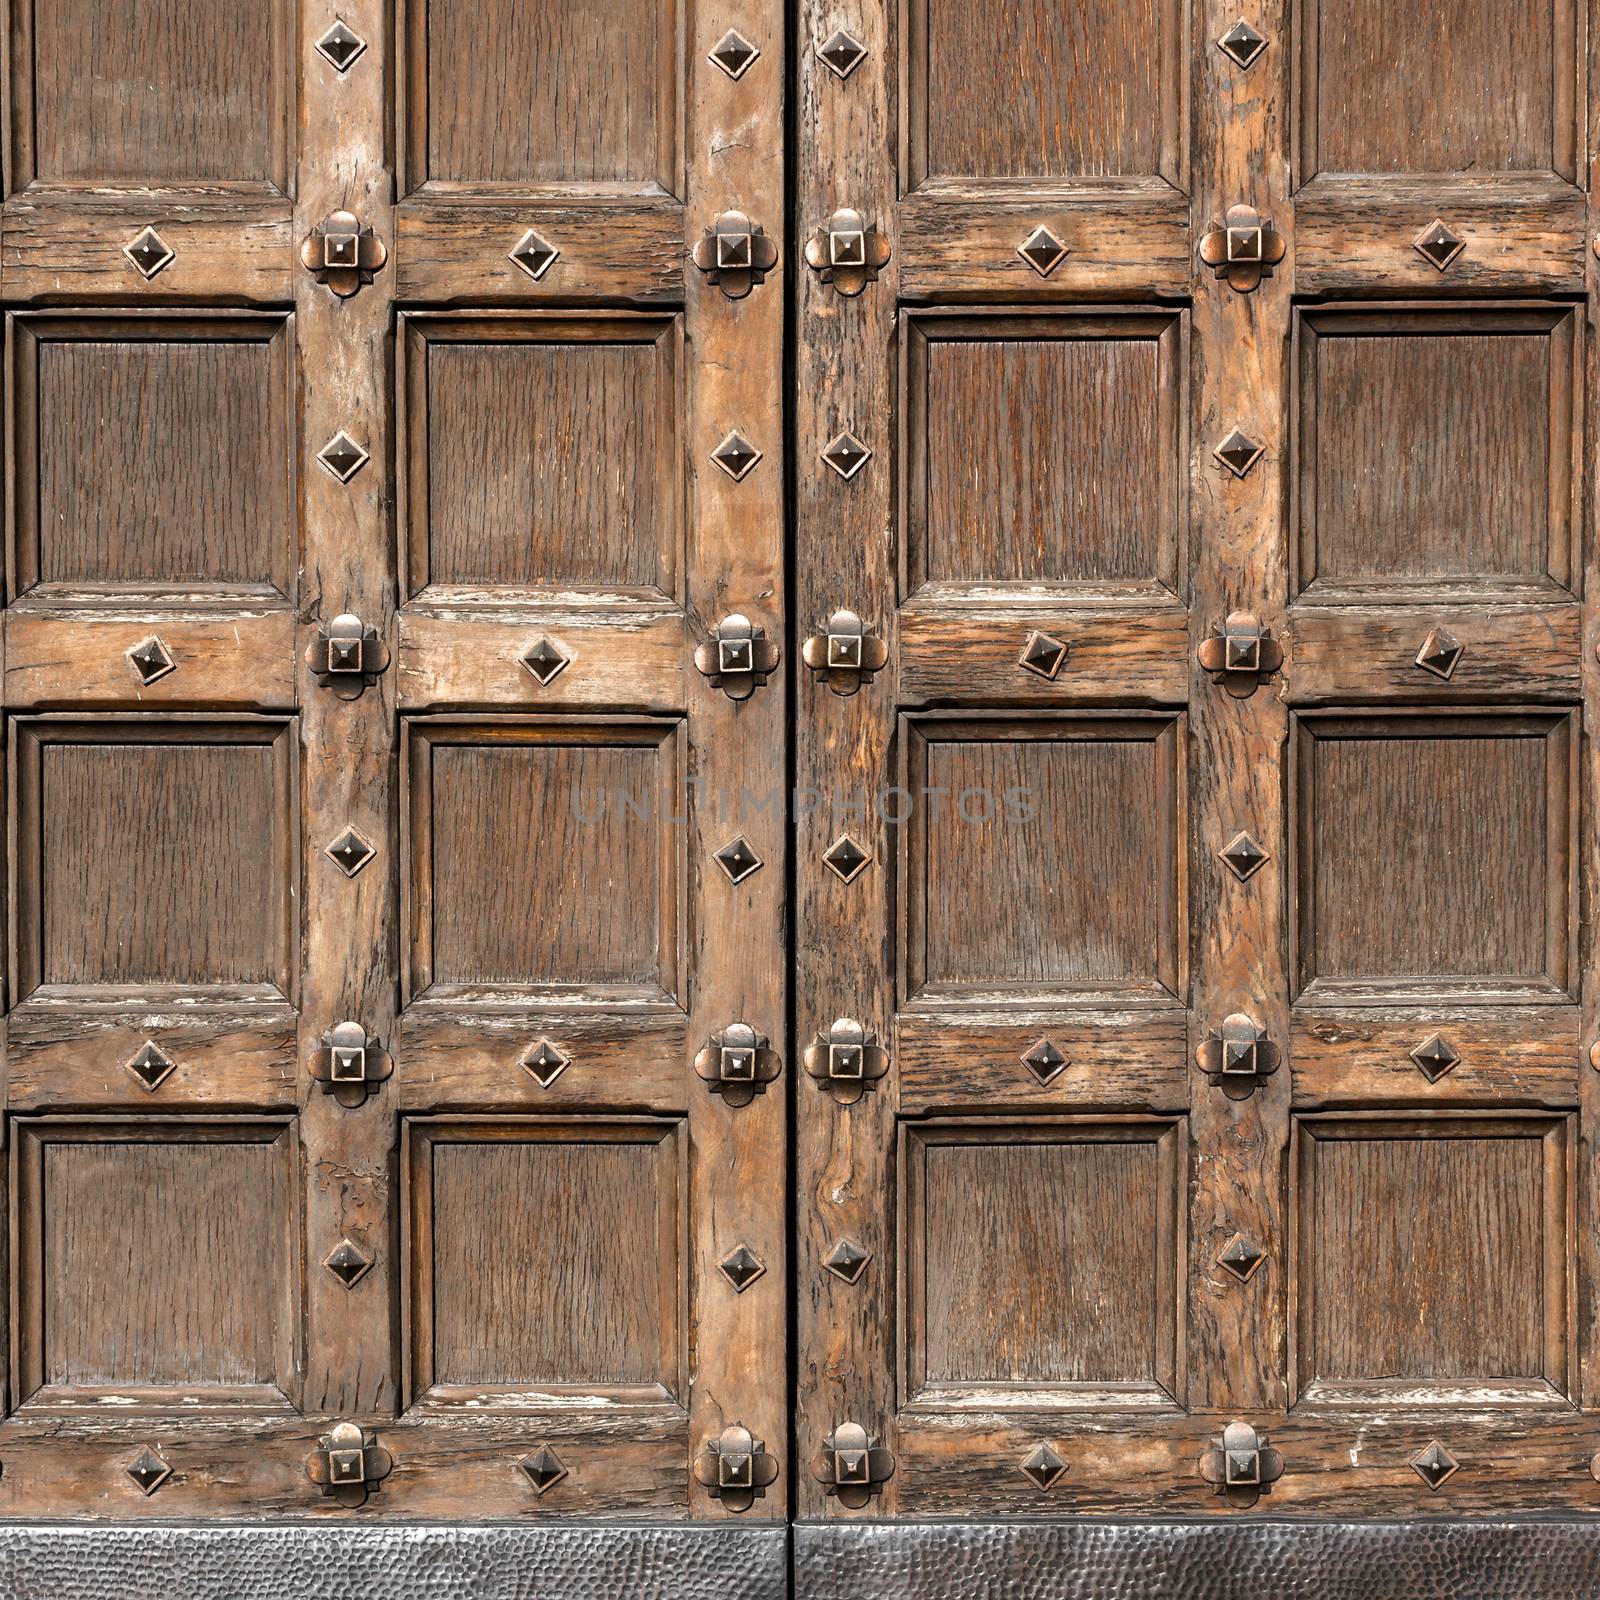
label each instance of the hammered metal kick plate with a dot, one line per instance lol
(346, 656)
(736, 1468)
(738, 657)
(848, 252)
(1237, 1056)
(1241, 654)
(737, 1063)
(845, 654)
(1241, 1465)
(350, 1064)
(348, 1464)
(846, 1061)
(735, 254)
(1243, 248)
(851, 1465)
(343, 254)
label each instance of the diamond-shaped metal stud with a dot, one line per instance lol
(1238, 453)
(1241, 44)
(543, 1468)
(1043, 251)
(348, 1262)
(1437, 245)
(1242, 856)
(736, 456)
(1435, 1056)
(150, 1064)
(544, 1063)
(149, 253)
(1440, 653)
(149, 1470)
(733, 53)
(1042, 1466)
(342, 456)
(351, 851)
(841, 52)
(846, 859)
(1042, 654)
(534, 254)
(847, 1260)
(150, 660)
(544, 661)
(741, 1267)
(1434, 1464)
(1241, 1257)
(846, 455)
(737, 859)
(1044, 1061)
(340, 47)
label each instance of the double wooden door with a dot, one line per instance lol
(970, 776)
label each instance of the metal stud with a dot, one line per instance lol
(1042, 1467)
(341, 47)
(852, 1465)
(151, 660)
(1044, 1061)
(149, 253)
(150, 1064)
(735, 254)
(342, 456)
(846, 454)
(1437, 245)
(845, 654)
(343, 254)
(350, 1063)
(346, 657)
(1243, 857)
(738, 657)
(847, 1260)
(1440, 654)
(149, 1470)
(1042, 655)
(1242, 1465)
(1434, 1465)
(841, 52)
(1238, 453)
(543, 1468)
(737, 859)
(544, 661)
(737, 1063)
(736, 1468)
(534, 254)
(734, 54)
(1043, 251)
(846, 1061)
(348, 1464)
(350, 851)
(847, 252)
(1237, 1056)
(741, 1267)
(846, 859)
(1240, 654)
(736, 456)
(543, 1062)
(1243, 248)
(1241, 1257)
(1435, 1056)
(348, 1262)
(1241, 44)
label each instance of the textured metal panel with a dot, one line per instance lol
(1247, 1559)
(390, 1562)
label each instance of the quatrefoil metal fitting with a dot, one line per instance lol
(1237, 1056)
(736, 1468)
(1243, 248)
(348, 1464)
(1241, 1464)
(737, 657)
(848, 252)
(350, 1064)
(1241, 654)
(738, 1063)
(346, 656)
(845, 655)
(846, 1060)
(852, 1465)
(736, 254)
(343, 254)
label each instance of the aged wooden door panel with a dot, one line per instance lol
(1192, 413)
(372, 899)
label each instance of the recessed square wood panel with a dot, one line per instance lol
(543, 452)
(1447, 86)
(153, 454)
(1032, 89)
(542, 855)
(1434, 855)
(140, 92)
(154, 855)
(1437, 449)
(1043, 1262)
(520, 92)
(1431, 1257)
(1043, 449)
(156, 1262)
(545, 1255)
(1064, 833)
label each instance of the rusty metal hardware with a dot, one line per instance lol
(348, 1262)
(149, 253)
(736, 254)
(543, 1468)
(738, 1063)
(1241, 1257)
(736, 456)
(1044, 1060)
(1043, 250)
(534, 254)
(846, 859)
(1243, 248)
(737, 657)
(841, 52)
(1239, 452)
(346, 656)
(1241, 1464)
(343, 457)
(1243, 857)
(852, 1465)
(1241, 44)
(1440, 654)
(736, 1468)
(350, 1064)
(1236, 1056)
(341, 47)
(149, 1470)
(846, 1060)
(343, 254)
(1042, 1467)
(544, 1062)
(847, 1260)
(734, 54)
(845, 654)
(150, 660)
(848, 252)
(1434, 1057)
(150, 1064)
(1043, 655)
(741, 1267)
(1437, 245)
(1241, 654)
(1434, 1464)
(350, 851)
(738, 859)
(348, 1464)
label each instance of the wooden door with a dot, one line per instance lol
(1202, 861)
(372, 897)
